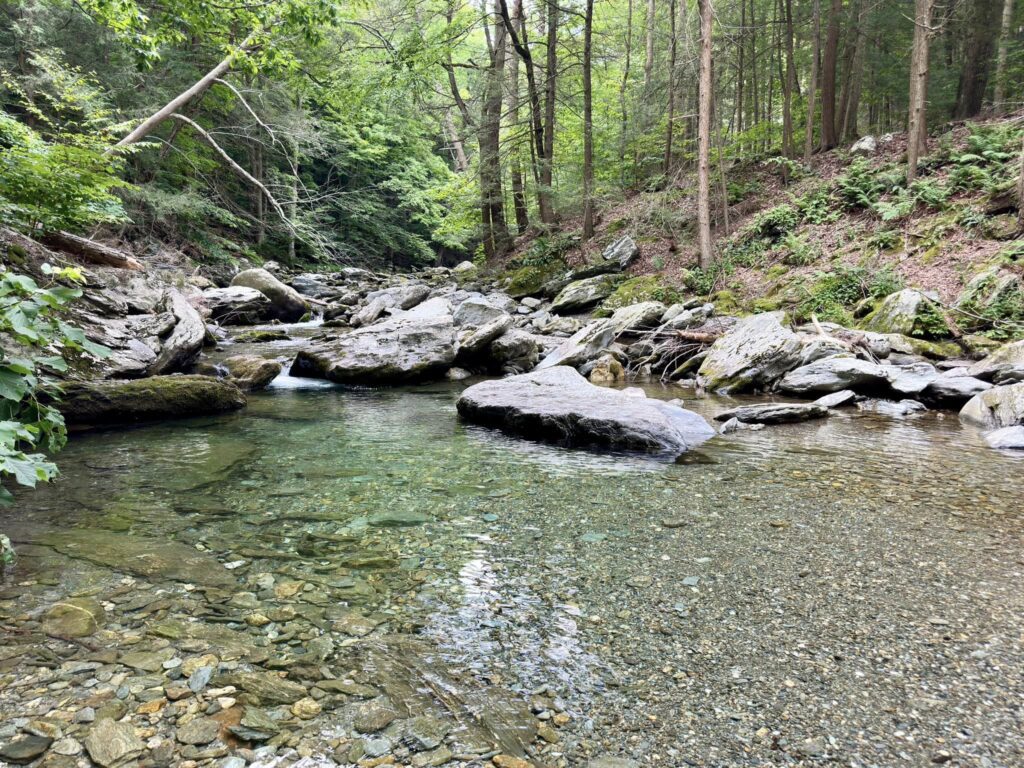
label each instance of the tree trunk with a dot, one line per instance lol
(649, 49)
(789, 85)
(623, 130)
(672, 51)
(707, 254)
(917, 119)
(812, 87)
(740, 73)
(828, 80)
(492, 209)
(849, 127)
(459, 159)
(518, 183)
(851, 54)
(90, 250)
(547, 211)
(999, 99)
(1020, 193)
(974, 75)
(588, 124)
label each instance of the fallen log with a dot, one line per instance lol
(701, 337)
(91, 251)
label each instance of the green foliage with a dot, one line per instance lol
(818, 207)
(863, 185)
(31, 331)
(544, 250)
(831, 295)
(798, 251)
(773, 224)
(740, 190)
(59, 175)
(637, 289)
(885, 239)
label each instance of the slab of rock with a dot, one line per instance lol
(74, 617)
(24, 749)
(267, 686)
(584, 345)
(623, 251)
(678, 318)
(909, 312)
(288, 304)
(954, 390)
(837, 399)
(198, 731)
(1008, 356)
(1006, 438)
(476, 312)
(251, 372)
(473, 340)
(997, 407)
(753, 355)
(832, 374)
(182, 346)
(645, 314)
(559, 405)
(775, 413)
(238, 305)
(910, 379)
(373, 310)
(582, 294)
(896, 409)
(156, 398)
(111, 744)
(409, 346)
(515, 347)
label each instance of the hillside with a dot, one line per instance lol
(843, 232)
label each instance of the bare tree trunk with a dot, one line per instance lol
(999, 98)
(518, 184)
(788, 143)
(707, 254)
(547, 213)
(916, 122)
(623, 130)
(812, 87)
(846, 68)
(828, 82)
(588, 124)
(981, 38)
(740, 73)
(649, 48)
(90, 250)
(1020, 193)
(151, 123)
(754, 90)
(672, 51)
(293, 203)
(461, 162)
(848, 128)
(492, 209)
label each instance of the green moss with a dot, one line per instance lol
(637, 289)
(767, 305)
(725, 302)
(259, 337)
(529, 279)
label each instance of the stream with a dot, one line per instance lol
(845, 590)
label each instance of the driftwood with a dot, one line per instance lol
(91, 251)
(700, 337)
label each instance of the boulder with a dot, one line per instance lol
(1006, 357)
(837, 399)
(251, 372)
(516, 348)
(559, 405)
(896, 409)
(408, 346)
(832, 374)
(465, 269)
(288, 305)
(954, 390)
(646, 314)
(775, 413)
(473, 340)
(584, 345)
(910, 379)
(238, 305)
(582, 294)
(753, 355)
(74, 617)
(183, 344)
(376, 307)
(313, 285)
(157, 397)
(607, 370)
(1006, 438)
(997, 407)
(476, 312)
(911, 313)
(686, 318)
(865, 145)
(623, 252)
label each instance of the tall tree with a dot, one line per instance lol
(917, 129)
(812, 86)
(829, 138)
(518, 185)
(588, 122)
(999, 97)
(983, 29)
(789, 85)
(707, 252)
(495, 233)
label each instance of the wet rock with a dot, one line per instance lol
(140, 555)
(472, 340)
(1008, 356)
(581, 294)
(515, 347)
(753, 355)
(832, 374)
(896, 409)
(373, 716)
(306, 708)
(909, 312)
(775, 413)
(511, 761)
(457, 374)
(954, 390)
(613, 762)
(261, 336)
(24, 749)
(155, 398)
(146, 661)
(1006, 438)
(997, 407)
(199, 731)
(288, 305)
(584, 345)
(75, 617)
(111, 744)
(255, 725)
(267, 686)
(414, 345)
(560, 405)
(910, 379)
(425, 733)
(238, 305)
(837, 399)
(251, 372)
(607, 370)
(397, 518)
(476, 312)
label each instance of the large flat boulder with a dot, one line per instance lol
(238, 305)
(775, 413)
(408, 346)
(157, 397)
(559, 405)
(997, 407)
(582, 294)
(583, 346)
(832, 374)
(1006, 357)
(911, 313)
(758, 351)
(289, 305)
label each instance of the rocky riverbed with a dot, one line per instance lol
(352, 578)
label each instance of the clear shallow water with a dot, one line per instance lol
(848, 587)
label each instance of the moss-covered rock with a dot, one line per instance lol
(261, 336)
(528, 280)
(582, 294)
(640, 289)
(158, 397)
(910, 313)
